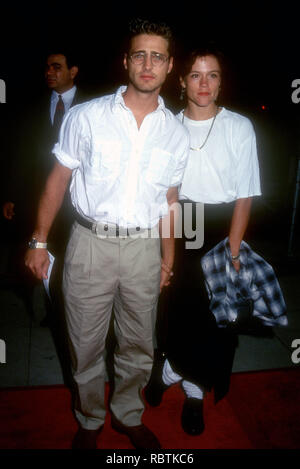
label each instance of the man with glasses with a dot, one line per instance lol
(126, 155)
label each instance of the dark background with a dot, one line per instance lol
(260, 40)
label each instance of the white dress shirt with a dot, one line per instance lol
(67, 98)
(226, 168)
(121, 173)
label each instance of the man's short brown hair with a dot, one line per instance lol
(139, 26)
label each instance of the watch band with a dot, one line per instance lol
(35, 244)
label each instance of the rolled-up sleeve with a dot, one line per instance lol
(72, 144)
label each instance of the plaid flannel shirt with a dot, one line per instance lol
(255, 281)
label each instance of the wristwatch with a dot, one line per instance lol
(35, 244)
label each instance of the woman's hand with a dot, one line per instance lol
(236, 265)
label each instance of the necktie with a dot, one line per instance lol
(59, 114)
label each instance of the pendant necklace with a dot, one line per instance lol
(208, 134)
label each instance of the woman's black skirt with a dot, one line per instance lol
(186, 329)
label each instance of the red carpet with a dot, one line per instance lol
(262, 411)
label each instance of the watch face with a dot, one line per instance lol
(32, 244)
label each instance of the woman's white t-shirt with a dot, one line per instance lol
(226, 168)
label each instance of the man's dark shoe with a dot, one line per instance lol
(155, 388)
(192, 416)
(140, 436)
(86, 439)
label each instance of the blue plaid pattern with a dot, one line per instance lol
(255, 282)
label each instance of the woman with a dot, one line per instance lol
(222, 173)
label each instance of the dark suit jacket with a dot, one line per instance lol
(31, 162)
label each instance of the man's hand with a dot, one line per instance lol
(165, 275)
(37, 261)
(8, 209)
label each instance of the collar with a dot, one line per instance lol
(118, 100)
(66, 96)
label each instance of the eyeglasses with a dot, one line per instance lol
(138, 58)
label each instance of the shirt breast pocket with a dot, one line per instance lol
(160, 167)
(107, 158)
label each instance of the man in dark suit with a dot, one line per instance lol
(32, 161)
(31, 154)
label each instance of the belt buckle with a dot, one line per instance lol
(122, 232)
(100, 229)
(107, 230)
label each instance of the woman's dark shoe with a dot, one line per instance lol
(192, 416)
(155, 388)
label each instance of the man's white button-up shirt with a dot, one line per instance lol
(121, 173)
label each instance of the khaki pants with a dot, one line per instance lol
(101, 274)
